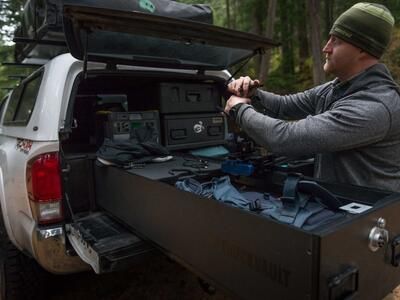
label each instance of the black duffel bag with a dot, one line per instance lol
(195, 12)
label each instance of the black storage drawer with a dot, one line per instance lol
(186, 98)
(193, 130)
(254, 257)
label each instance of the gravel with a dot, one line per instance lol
(158, 278)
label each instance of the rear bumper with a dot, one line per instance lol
(50, 251)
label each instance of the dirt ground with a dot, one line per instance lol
(395, 295)
(159, 278)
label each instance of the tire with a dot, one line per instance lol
(21, 277)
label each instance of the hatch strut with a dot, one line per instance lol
(85, 54)
(257, 51)
(40, 42)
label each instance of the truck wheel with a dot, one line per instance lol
(20, 276)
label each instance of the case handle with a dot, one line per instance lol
(395, 254)
(344, 285)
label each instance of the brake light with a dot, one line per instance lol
(44, 188)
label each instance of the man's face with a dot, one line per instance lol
(341, 58)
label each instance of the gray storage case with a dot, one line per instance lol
(193, 130)
(187, 98)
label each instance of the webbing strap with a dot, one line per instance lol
(308, 211)
(290, 200)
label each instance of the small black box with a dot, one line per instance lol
(186, 98)
(194, 130)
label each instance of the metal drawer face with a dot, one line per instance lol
(191, 131)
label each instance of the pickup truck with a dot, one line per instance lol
(66, 209)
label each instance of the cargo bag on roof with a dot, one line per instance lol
(167, 8)
(42, 21)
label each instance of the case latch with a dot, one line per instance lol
(395, 256)
(345, 285)
(378, 236)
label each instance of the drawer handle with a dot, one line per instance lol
(395, 252)
(344, 285)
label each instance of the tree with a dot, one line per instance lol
(313, 11)
(228, 14)
(10, 15)
(302, 36)
(286, 30)
(269, 33)
(329, 7)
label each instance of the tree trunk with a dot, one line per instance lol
(329, 5)
(256, 28)
(269, 33)
(228, 14)
(235, 7)
(286, 37)
(303, 47)
(313, 13)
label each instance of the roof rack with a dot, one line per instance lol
(40, 34)
(39, 42)
(17, 64)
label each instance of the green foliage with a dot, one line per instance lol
(392, 56)
(10, 75)
(288, 72)
(10, 15)
(5, 81)
(291, 64)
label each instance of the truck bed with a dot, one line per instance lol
(249, 256)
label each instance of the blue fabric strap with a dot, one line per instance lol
(290, 199)
(224, 191)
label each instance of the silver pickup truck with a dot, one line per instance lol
(111, 72)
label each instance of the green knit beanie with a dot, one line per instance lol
(367, 26)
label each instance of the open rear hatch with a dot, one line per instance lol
(41, 34)
(140, 39)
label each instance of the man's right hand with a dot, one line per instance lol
(243, 87)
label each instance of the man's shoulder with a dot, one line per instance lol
(323, 89)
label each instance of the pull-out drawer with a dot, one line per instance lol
(255, 257)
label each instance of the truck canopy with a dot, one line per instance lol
(142, 35)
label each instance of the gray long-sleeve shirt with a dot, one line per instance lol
(352, 128)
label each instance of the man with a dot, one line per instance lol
(351, 124)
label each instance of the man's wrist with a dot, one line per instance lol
(240, 113)
(255, 96)
(237, 111)
(234, 110)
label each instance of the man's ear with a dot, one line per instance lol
(365, 55)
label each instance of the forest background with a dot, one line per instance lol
(300, 26)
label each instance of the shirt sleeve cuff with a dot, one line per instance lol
(241, 111)
(256, 97)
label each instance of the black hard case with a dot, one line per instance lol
(253, 257)
(187, 98)
(193, 130)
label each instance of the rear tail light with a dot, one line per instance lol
(44, 188)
